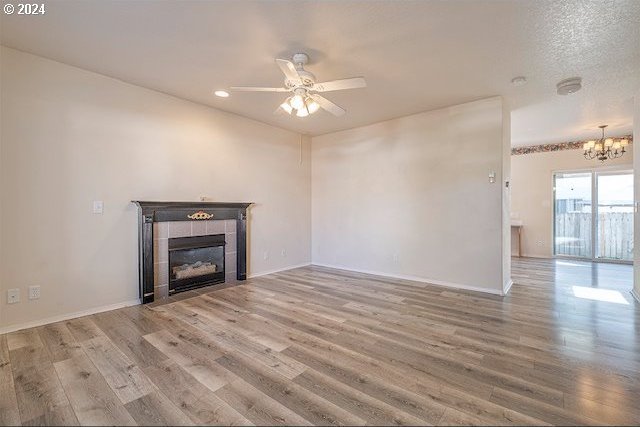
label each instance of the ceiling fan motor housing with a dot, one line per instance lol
(300, 58)
(308, 79)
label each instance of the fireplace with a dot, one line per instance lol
(196, 261)
(184, 245)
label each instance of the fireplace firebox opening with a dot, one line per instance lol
(195, 261)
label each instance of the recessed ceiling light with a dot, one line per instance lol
(221, 93)
(519, 81)
(568, 86)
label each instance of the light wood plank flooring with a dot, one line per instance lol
(321, 346)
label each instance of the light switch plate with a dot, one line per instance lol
(98, 207)
(13, 296)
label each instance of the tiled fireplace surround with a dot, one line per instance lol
(163, 231)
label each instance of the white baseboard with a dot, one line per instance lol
(290, 267)
(508, 287)
(533, 256)
(61, 317)
(635, 295)
(95, 310)
(415, 279)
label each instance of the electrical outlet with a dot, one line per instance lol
(284, 252)
(540, 243)
(13, 296)
(34, 292)
(265, 255)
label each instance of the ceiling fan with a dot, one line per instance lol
(302, 85)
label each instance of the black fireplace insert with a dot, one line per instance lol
(195, 262)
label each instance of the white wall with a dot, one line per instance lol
(70, 137)
(532, 193)
(411, 197)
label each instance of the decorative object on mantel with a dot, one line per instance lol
(605, 148)
(150, 212)
(546, 148)
(200, 215)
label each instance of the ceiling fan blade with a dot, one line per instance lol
(289, 70)
(353, 83)
(259, 89)
(328, 105)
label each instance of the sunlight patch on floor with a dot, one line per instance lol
(572, 264)
(605, 295)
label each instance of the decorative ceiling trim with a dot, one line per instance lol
(546, 148)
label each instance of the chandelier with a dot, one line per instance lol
(604, 148)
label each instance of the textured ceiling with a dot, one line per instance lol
(415, 55)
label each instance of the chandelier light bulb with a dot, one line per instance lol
(302, 112)
(592, 144)
(608, 142)
(624, 142)
(616, 145)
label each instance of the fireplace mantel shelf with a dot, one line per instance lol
(153, 211)
(153, 205)
(192, 204)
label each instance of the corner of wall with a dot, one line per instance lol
(305, 158)
(506, 198)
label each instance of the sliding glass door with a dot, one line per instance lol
(573, 214)
(614, 227)
(593, 215)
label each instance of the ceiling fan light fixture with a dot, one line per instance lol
(297, 102)
(302, 112)
(286, 107)
(312, 106)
